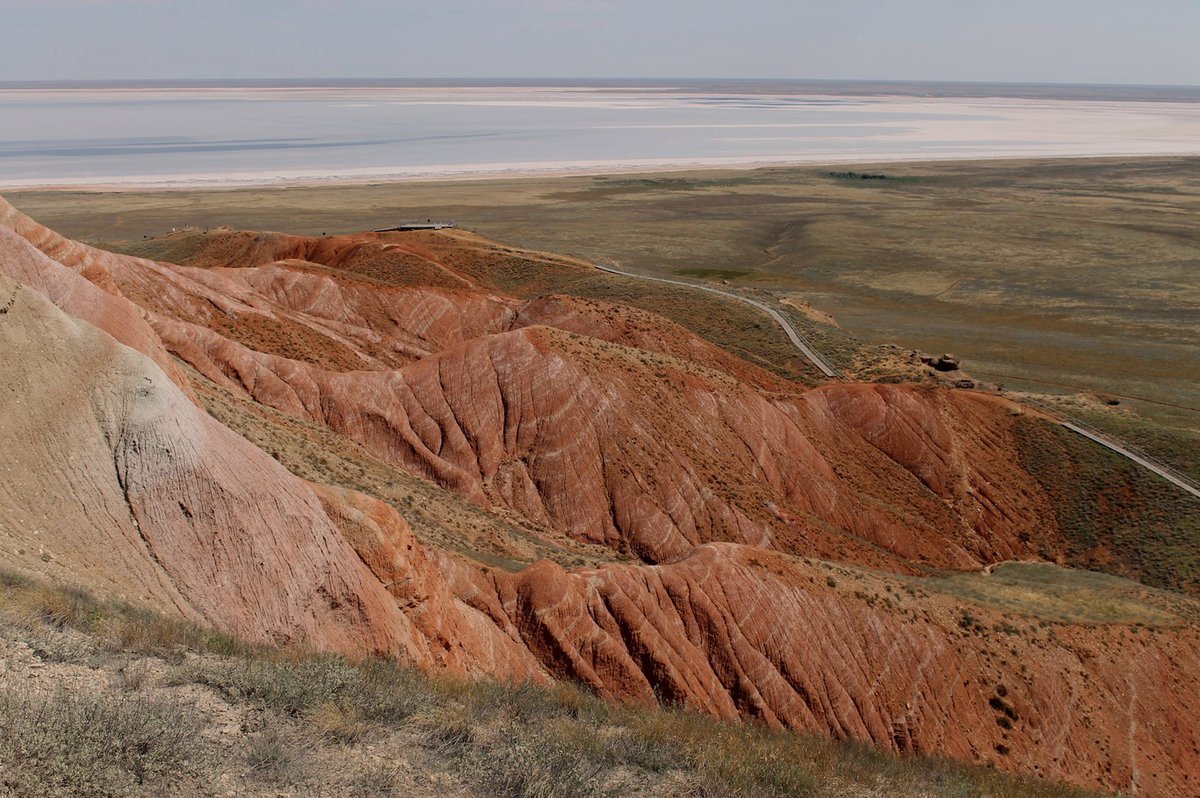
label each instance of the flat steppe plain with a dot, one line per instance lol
(1067, 275)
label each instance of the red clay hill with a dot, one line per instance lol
(722, 537)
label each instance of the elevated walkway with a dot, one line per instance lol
(428, 224)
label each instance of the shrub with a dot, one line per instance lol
(534, 763)
(326, 689)
(339, 722)
(68, 744)
(290, 686)
(377, 780)
(272, 756)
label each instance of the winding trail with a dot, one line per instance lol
(1163, 470)
(795, 337)
(1074, 425)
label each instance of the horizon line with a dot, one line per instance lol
(520, 79)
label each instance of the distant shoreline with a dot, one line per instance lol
(144, 138)
(499, 172)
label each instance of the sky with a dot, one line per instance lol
(1040, 41)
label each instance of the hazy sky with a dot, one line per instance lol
(1069, 41)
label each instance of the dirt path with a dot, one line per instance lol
(795, 337)
(1162, 470)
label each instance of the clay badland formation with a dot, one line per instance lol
(699, 529)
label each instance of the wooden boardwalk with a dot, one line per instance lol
(426, 225)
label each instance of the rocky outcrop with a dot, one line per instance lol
(611, 425)
(946, 362)
(640, 329)
(743, 632)
(85, 300)
(593, 440)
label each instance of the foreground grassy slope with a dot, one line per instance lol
(101, 699)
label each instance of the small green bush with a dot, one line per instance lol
(272, 756)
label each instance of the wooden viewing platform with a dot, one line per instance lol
(428, 224)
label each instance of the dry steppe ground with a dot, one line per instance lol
(1059, 275)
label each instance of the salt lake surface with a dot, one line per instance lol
(240, 135)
